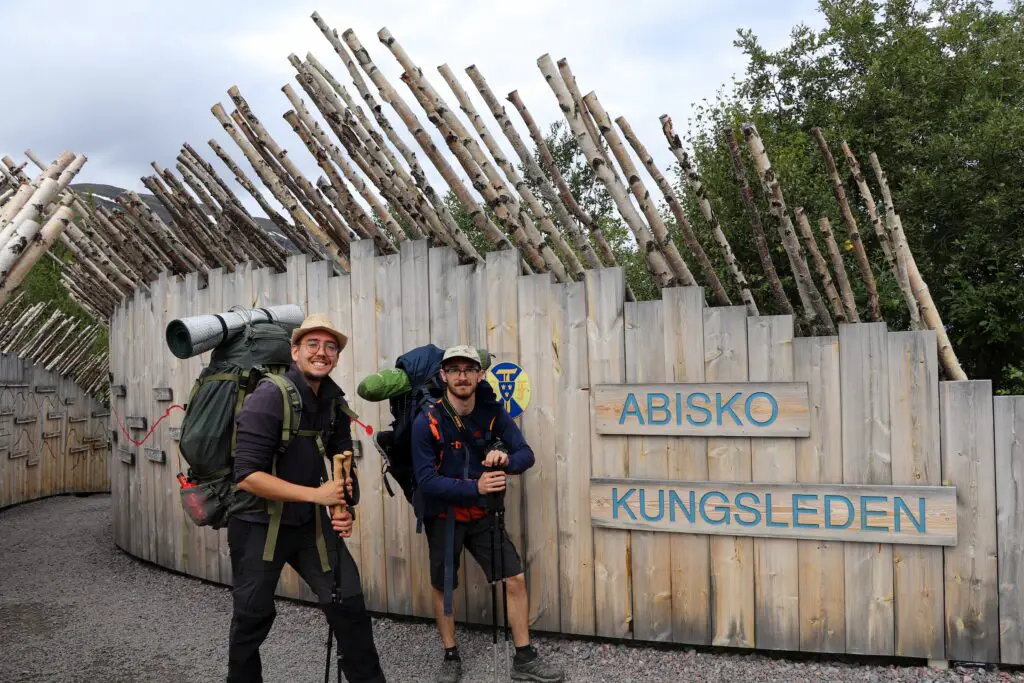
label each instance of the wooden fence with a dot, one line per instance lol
(878, 416)
(53, 435)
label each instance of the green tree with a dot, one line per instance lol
(936, 89)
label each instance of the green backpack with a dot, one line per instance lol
(207, 441)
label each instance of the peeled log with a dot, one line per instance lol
(810, 297)
(53, 228)
(821, 266)
(929, 312)
(655, 260)
(661, 236)
(840, 269)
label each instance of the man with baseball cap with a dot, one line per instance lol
(462, 447)
(298, 490)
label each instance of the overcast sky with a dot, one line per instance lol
(126, 83)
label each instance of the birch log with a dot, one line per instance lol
(655, 260)
(533, 170)
(662, 239)
(896, 263)
(756, 227)
(51, 230)
(839, 267)
(26, 224)
(280, 193)
(929, 312)
(412, 123)
(839, 311)
(418, 176)
(851, 225)
(810, 297)
(568, 201)
(573, 265)
(692, 179)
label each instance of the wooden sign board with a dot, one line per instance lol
(118, 390)
(915, 515)
(163, 394)
(758, 409)
(48, 389)
(126, 456)
(55, 415)
(175, 433)
(26, 419)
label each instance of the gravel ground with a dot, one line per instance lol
(75, 608)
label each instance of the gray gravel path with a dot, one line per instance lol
(75, 608)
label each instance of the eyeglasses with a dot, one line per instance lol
(461, 371)
(313, 345)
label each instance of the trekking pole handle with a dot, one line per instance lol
(342, 472)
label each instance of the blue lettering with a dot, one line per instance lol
(674, 500)
(797, 510)
(727, 408)
(700, 409)
(622, 502)
(741, 507)
(768, 512)
(718, 508)
(679, 409)
(771, 401)
(662, 408)
(631, 408)
(865, 513)
(661, 506)
(828, 512)
(920, 523)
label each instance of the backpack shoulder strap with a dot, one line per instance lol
(292, 410)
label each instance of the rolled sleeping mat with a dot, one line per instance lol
(187, 337)
(392, 382)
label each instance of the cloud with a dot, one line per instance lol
(127, 83)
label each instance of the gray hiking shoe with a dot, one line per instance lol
(536, 668)
(450, 671)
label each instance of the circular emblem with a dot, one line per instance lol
(512, 385)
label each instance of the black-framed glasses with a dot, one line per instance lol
(314, 345)
(464, 370)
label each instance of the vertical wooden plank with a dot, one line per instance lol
(609, 454)
(196, 300)
(372, 568)
(416, 302)
(297, 287)
(864, 377)
(158, 471)
(339, 305)
(540, 492)
(648, 459)
(288, 288)
(442, 263)
(471, 299)
(216, 302)
(819, 460)
(180, 384)
(390, 345)
(575, 535)
(687, 461)
(1009, 446)
(501, 330)
(968, 462)
(777, 567)
(732, 558)
(914, 410)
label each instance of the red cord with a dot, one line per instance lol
(151, 429)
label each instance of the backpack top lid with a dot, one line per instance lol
(260, 344)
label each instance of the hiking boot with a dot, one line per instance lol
(530, 666)
(450, 671)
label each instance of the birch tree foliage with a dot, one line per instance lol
(936, 89)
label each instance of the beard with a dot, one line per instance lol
(461, 389)
(315, 373)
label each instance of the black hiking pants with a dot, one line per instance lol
(253, 596)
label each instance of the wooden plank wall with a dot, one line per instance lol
(46, 425)
(879, 415)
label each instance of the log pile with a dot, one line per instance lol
(391, 155)
(43, 335)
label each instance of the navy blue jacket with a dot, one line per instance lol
(444, 474)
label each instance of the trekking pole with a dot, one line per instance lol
(496, 503)
(342, 471)
(494, 597)
(504, 585)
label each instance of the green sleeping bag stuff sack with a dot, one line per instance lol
(207, 440)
